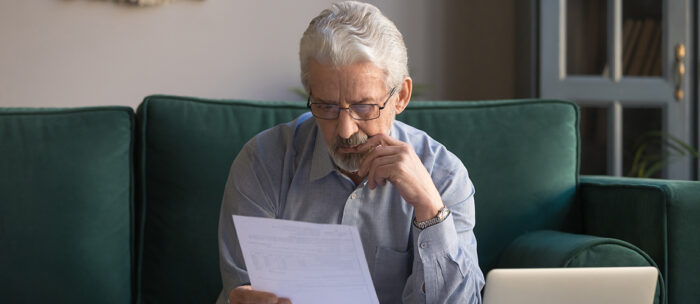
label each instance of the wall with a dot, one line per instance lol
(59, 53)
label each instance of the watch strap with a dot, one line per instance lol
(439, 218)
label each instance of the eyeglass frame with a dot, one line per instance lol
(379, 113)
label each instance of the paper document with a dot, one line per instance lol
(307, 263)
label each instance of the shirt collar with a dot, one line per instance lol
(321, 163)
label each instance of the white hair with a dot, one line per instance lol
(351, 32)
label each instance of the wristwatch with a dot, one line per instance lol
(441, 216)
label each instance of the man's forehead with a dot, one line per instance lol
(356, 79)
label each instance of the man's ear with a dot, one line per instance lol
(404, 95)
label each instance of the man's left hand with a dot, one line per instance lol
(395, 161)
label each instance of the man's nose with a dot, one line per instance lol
(347, 126)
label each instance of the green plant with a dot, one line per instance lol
(647, 162)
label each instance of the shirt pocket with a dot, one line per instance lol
(391, 269)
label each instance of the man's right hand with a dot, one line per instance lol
(246, 295)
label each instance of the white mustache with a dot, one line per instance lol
(353, 140)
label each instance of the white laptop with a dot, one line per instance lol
(619, 285)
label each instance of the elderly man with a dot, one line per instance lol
(349, 162)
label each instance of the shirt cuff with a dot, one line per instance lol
(437, 240)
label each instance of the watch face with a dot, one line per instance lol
(443, 213)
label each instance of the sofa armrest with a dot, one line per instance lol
(662, 217)
(546, 248)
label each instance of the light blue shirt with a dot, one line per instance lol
(286, 172)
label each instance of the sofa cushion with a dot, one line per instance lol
(522, 156)
(66, 195)
(187, 147)
(545, 249)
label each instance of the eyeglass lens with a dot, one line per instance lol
(357, 111)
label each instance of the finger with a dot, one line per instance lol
(235, 295)
(240, 289)
(369, 152)
(284, 301)
(255, 296)
(373, 179)
(379, 151)
(377, 162)
(379, 139)
(372, 141)
(381, 175)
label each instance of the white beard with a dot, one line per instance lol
(349, 162)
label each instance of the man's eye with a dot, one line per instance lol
(326, 107)
(362, 109)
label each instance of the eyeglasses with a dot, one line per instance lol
(361, 111)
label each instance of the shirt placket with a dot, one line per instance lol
(351, 210)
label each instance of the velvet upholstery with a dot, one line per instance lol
(186, 149)
(661, 217)
(547, 248)
(66, 199)
(523, 159)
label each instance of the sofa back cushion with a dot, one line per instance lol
(522, 157)
(66, 194)
(187, 147)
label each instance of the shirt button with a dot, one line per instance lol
(353, 196)
(423, 245)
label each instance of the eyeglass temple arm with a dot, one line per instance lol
(308, 100)
(393, 90)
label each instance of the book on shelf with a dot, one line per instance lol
(641, 48)
(654, 51)
(630, 34)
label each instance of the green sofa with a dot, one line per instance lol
(106, 205)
